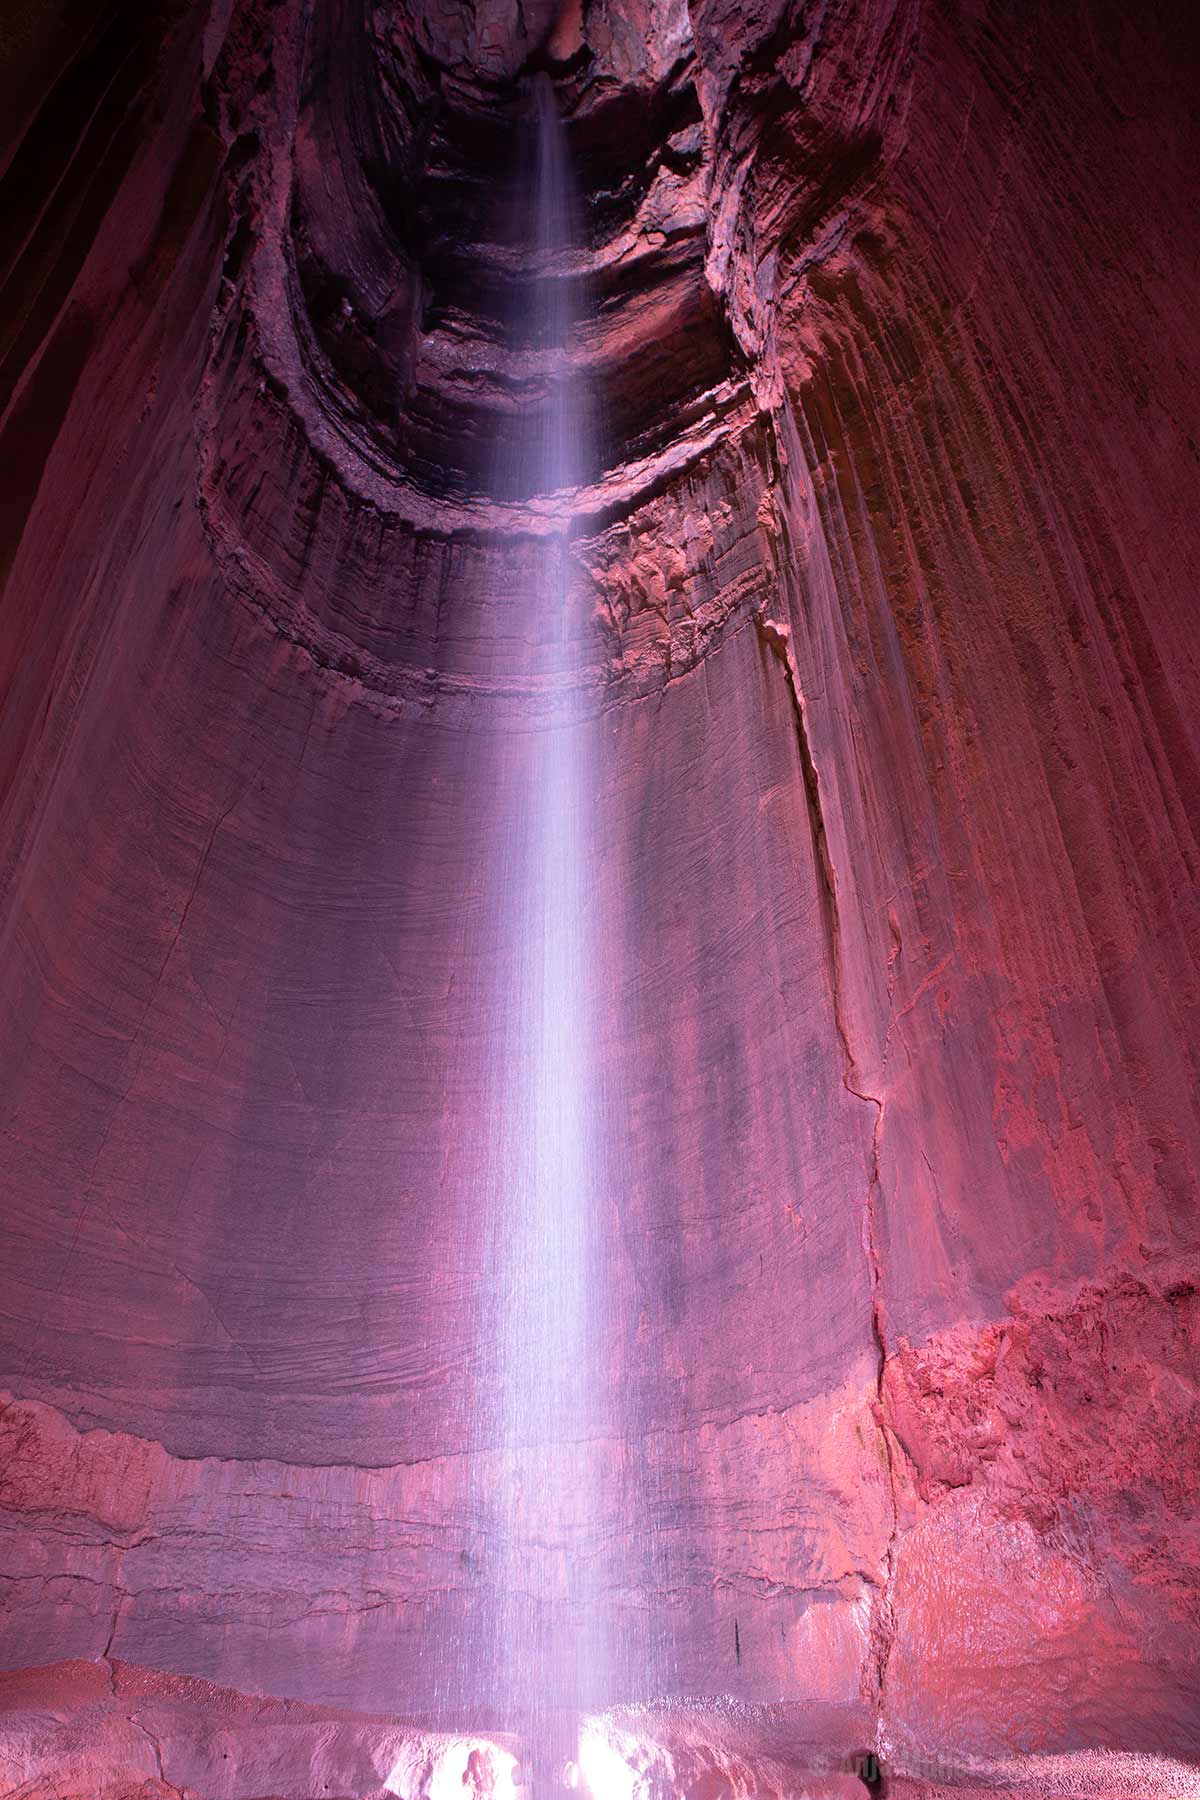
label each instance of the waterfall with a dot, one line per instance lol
(547, 1281)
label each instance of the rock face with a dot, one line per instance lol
(885, 589)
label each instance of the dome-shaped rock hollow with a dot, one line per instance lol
(599, 928)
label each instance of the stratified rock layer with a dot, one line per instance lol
(885, 588)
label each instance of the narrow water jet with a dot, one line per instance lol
(548, 1284)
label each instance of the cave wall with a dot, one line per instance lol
(990, 618)
(885, 571)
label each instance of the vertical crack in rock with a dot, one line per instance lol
(883, 1620)
(106, 1656)
(156, 1748)
(776, 635)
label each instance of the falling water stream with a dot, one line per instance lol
(547, 1276)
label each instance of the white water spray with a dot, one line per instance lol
(547, 1279)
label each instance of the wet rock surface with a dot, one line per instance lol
(886, 572)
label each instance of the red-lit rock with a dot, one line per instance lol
(886, 572)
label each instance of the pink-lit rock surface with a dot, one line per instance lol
(75, 1730)
(887, 598)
